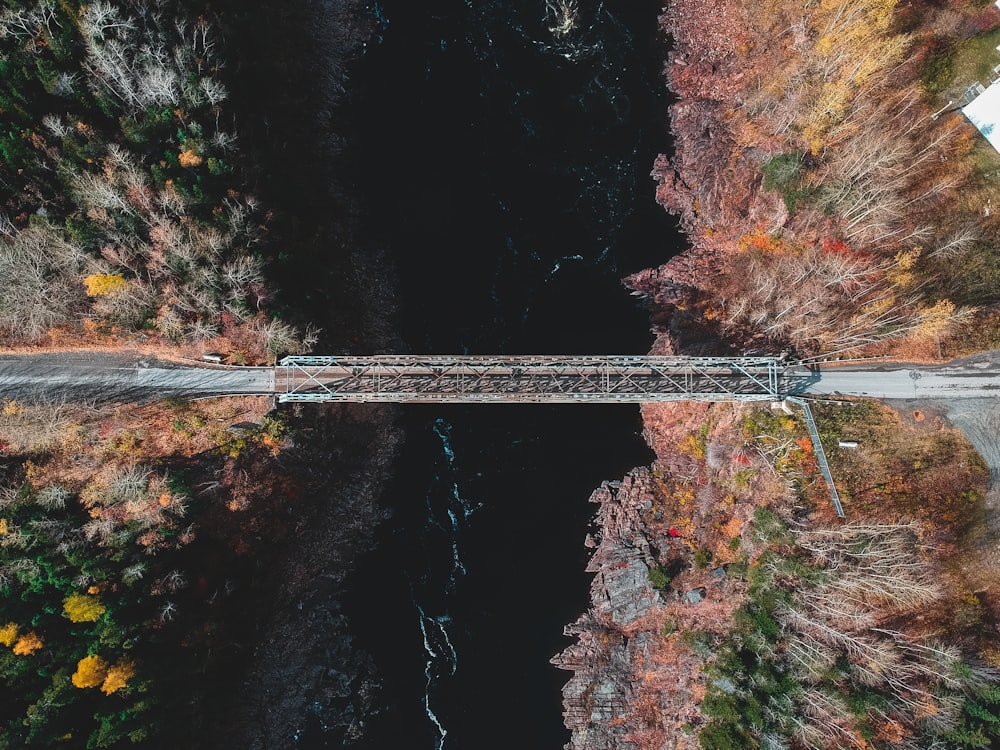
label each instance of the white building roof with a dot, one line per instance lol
(984, 113)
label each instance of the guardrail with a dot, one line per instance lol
(824, 465)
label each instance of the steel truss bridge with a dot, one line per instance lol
(541, 379)
(529, 379)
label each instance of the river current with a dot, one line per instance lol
(503, 148)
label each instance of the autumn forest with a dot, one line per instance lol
(836, 202)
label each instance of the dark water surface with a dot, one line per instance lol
(505, 169)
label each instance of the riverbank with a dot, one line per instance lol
(300, 677)
(673, 541)
(635, 684)
(227, 629)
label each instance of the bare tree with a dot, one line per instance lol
(41, 270)
(276, 337)
(201, 330)
(224, 141)
(99, 529)
(215, 92)
(242, 272)
(24, 24)
(55, 125)
(562, 16)
(102, 191)
(129, 306)
(957, 243)
(52, 497)
(133, 573)
(174, 581)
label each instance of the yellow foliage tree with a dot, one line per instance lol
(8, 633)
(12, 408)
(83, 608)
(935, 320)
(692, 446)
(27, 644)
(854, 43)
(118, 676)
(901, 272)
(90, 672)
(99, 284)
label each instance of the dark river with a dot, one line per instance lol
(503, 165)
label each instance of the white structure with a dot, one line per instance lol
(984, 113)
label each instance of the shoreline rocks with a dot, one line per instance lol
(600, 696)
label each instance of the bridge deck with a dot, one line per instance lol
(528, 379)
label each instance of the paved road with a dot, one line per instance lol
(974, 377)
(122, 377)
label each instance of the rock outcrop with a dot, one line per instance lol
(601, 695)
(637, 663)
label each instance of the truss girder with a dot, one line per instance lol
(528, 379)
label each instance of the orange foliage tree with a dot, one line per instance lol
(91, 671)
(118, 676)
(27, 644)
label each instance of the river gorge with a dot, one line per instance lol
(209, 541)
(504, 161)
